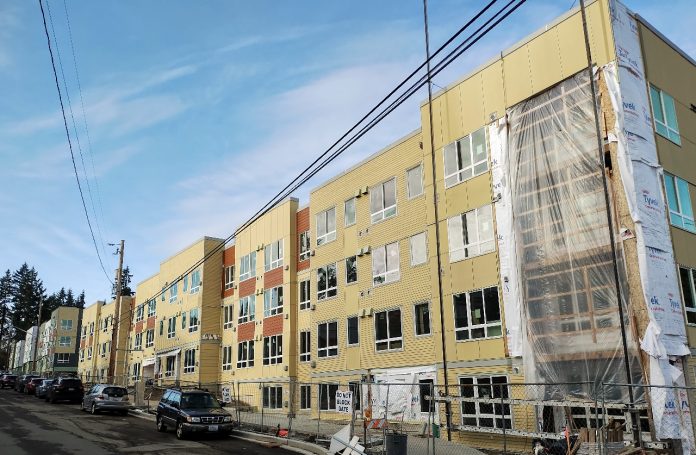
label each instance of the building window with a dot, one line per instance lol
(91, 328)
(171, 364)
(138, 341)
(273, 397)
(305, 397)
(103, 350)
(477, 314)
(89, 353)
(136, 371)
(326, 226)
(64, 341)
(163, 293)
(414, 182)
(229, 277)
(161, 328)
(185, 286)
(171, 329)
(194, 322)
(466, 158)
(273, 301)
(327, 339)
(470, 234)
(349, 212)
(305, 246)
(150, 338)
(383, 201)
(183, 320)
(355, 388)
(66, 324)
(305, 299)
(326, 282)
(139, 313)
(151, 308)
(388, 334)
(680, 212)
(195, 281)
(189, 360)
(422, 318)
(245, 354)
(351, 269)
(476, 412)
(226, 358)
(273, 255)
(63, 357)
(247, 266)
(353, 331)
(305, 346)
(173, 293)
(273, 350)
(82, 355)
(327, 397)
(419, 249)
(385, 264)
(228, 317)
(688, 285)
(664, 114)
(247, 309)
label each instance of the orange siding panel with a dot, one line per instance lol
(245, 331)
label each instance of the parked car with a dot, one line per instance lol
(65, 388)
(22, 382)
(30, 387)
(105, 397)
(8, 380)
(192, 411)
(42, 388)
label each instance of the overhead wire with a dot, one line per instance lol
(313, 168)
(70, 146)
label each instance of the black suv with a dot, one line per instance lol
(65, 388)
(192, 411)
(8, 380)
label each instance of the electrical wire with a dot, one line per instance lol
(311, 170)
(67, 133)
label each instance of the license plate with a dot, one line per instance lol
(212, 428)
(71, 389)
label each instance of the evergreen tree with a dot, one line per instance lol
(126, 277)
(80, 300)
(69, 299)
(5, 310)
(27, 292)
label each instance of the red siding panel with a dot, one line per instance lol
(273, 325)
(138, 326)
(228, 256)
(273, 278)
(303, 265)
(247, 287)
(245, 332)
(151, 322)
(302, 220)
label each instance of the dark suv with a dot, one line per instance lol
(8, 380)
(65, 388)
(192, 411)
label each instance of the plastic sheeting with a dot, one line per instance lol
(565, 274)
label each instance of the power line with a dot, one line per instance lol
(67, 133)
(72, 116)
(311, 170)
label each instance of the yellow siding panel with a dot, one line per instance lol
(544, 61)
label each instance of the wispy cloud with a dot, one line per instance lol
(9, 24)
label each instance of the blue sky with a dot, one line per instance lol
(197, 115)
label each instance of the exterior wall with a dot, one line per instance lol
(91, 332)
(145, 356)
(228, 301)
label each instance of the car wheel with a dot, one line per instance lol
(93, 409)
(180, 431)
(160, 424)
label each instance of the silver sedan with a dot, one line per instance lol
(106, 397)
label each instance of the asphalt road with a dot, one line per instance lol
(32, 427)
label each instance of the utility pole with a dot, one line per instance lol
(115, 319)
(36, 341)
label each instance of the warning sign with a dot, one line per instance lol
(344, 402)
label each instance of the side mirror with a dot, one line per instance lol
(176, 405)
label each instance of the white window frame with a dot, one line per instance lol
(463, 172)
(305, 287)
(328, 391)
(466, 402)
(226, 358)
(229, 277)
(173, 292)
(227, 317)
(151, 308)
(136, 371)
(305, 245)
(171, 328)
(196, 281)
(679, 218)
(324, 235)
(305, 346)
(691, 288)
(415, 320)
(66, 324)
(65, 341)
(409, 192)
(150, 339)
(325, 294)
(662, 127)
(273, 301)
(476, 245)
(346, 221)
(330, 350)
(272, 397)
(305, 397)
(355, 259)
(384, 211)
(139, 313)
(486, 326)
(273, 255)
(390, 339)
(275, 350)
(138, 344)
(414, 238)
(63, 357)
(194, 320)
(247, 266)
(189, 361)
(246, 348)
(357, 319)
(89, 353)
(247, 309)
(392, 271)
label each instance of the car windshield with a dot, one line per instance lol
(198, 401)
(37, 380)
(115, 391)
(47, 381)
